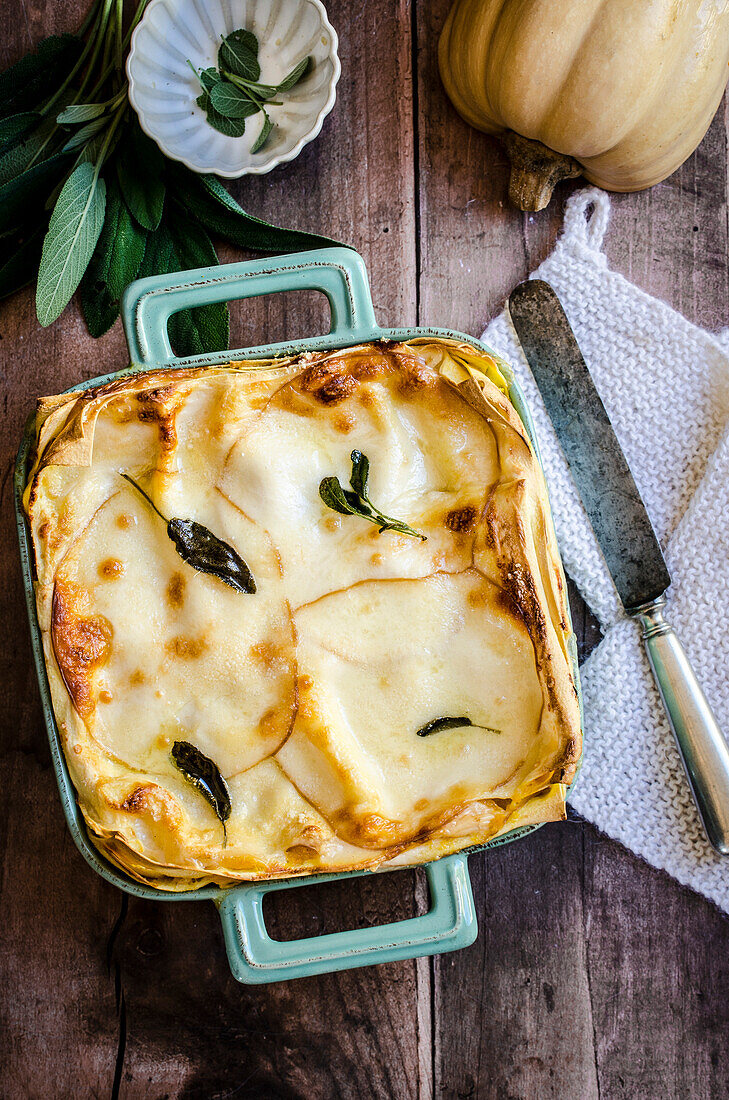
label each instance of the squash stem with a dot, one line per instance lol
(535, 171)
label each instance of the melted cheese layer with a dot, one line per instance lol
(309, 694)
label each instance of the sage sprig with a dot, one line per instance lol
(204, 551)
(355, 502)
(448, 723)
(88, 201)
(233, 92)
(205, 775)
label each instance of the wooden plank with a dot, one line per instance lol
(658, 969)
(610, 950)
(512, 1014)
(58, 1004)
(166, 1017)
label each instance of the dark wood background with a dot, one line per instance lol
(593, 976)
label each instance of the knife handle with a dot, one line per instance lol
(703, 747)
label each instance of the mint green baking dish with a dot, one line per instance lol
(254, 956)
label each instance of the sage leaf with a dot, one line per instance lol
(448, 723)
(158, 255)
(37, 75)
(86, 133)
(204, 328)
(114, 264)
(199, 770)
(239, 53)
(15, 126)
(256, 91)
(20, 260)
(263, 136)
(80, 112)
(27, 191)
(205, 552)
(333, 495)
(205, 198)
(140, 166)
(360, 473)
(208, 78)
(296, 74)
(120, 249)
(73, 231)
(231, 127)
(229, 101)
(202, 550)
(357, 503)
(17, 159)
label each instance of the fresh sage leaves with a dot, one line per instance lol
(68, 134)
(233, 92)
(355, 502)
(204, 551)
(205, 775)
(448, 723)
(74, 229)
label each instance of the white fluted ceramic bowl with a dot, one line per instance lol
(163, 89)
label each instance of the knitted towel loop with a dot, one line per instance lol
(586, 218)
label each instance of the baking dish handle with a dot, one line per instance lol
(255, 958)
(339, 273)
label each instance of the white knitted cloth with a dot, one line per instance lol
(665, 385)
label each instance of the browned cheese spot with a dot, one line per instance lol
(44, 529)
(265, 654)
(137, 678)
(153, 800)
(186, 649)
(105, 696)
(175, 591)
(269, 723)
(81, 643)
(461, 520)
(327, 383)
(136, 801)
(124, 521)
(343, 422)
(160, 406)
(415, 374)
(370, 365)
(370, 831)
(110, 569)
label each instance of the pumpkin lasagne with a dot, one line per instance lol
(302, 615)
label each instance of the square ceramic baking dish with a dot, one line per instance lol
(254, 956)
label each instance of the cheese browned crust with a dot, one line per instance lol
(308, 694)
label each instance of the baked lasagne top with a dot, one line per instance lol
(390, 684)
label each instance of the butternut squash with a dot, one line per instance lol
(620, 91)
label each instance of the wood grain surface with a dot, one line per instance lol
(594, 976)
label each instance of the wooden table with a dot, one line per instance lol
(593, 974)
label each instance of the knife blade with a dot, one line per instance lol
(627, 539)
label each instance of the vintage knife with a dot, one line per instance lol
(627, 539)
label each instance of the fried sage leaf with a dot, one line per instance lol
(204, 551)
(449, 723)
(205, 775)
(355, 502)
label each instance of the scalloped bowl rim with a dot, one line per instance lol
(267, 166)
